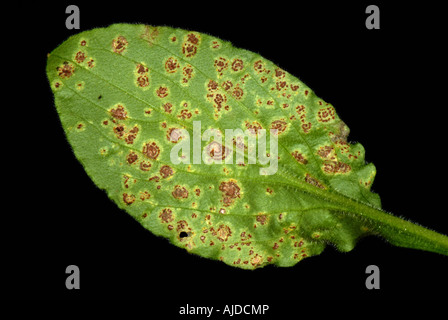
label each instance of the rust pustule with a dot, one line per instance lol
(166, 215)
(180, 192)
(230, 191)
(151, 150)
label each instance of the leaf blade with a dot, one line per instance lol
(122, 90)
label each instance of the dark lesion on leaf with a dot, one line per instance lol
(314, 181)
(230, 192)
(166, 171)
(119, 112)
(145, 166)
(151, 150)
(180, 192)
(262, 218)
(132, 157)
(119, 44)
(66, 70)
(185, 234)
(166, 215)
(128, 198)
(299, 157)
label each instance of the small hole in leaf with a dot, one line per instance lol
(99, 97)
(183, 234)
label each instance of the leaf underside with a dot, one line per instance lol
(122, 91)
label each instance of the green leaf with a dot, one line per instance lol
(130, 99)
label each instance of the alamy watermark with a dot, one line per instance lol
(219, 151)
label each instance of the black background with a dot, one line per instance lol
(387, 85)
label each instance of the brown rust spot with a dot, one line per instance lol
(217, 151)
(145, 166)
(166, 171)
(281, 85)
(145, 195)
(327, 153)
(171, 65)
(259, 66)
(230, 191)
(187, 71)
(128, 198)
(142, 69)
(279, 73)
(184, 234)
(256, 261)
(238, 92)
(221, 65)
(190, 45)
(142, 81)
(168, 107)
(253, 127)
(313, 181)
(184, 114)
(128, 135)
(326, 115)
(237, 65)
(219, 101)
(132, 134)
(142, 75)
(80, 57)
(299, 157)
(91, 63)
(294, 87)
(119, 113)
(132, 157)
(334, 167)
(180, 192)
(223, 232)
(193, 38)
(125, 182)
(227, 85)
(151, 150)
(174, 135)
(119, 131)
(119, 44)
(306, 127)
(262, 218)
(66, 70)
(279, 125)
(166, 215)
(212, 86)
(162, 92)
